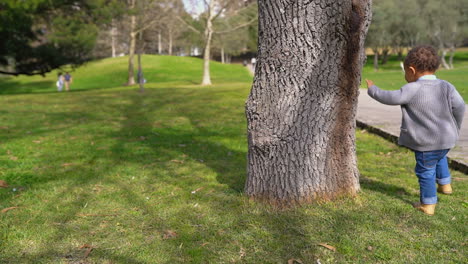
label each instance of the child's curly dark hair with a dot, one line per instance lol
(423, 58)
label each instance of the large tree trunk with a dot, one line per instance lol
(301, 110)
(131, 51)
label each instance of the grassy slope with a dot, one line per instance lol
(109, 73)
(158, 178)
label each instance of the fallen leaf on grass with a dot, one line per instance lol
(8, 209)
(242, 252)
(197, 190)
(370, 248)
(37, 141)
(85, 246)
(13, 158)
(292, 261)
(89, 249)
(168, 234)
(3, 184)
(67, 164)
(332, 248)
(85, 215)
(177, 161)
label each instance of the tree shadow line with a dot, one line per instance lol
(197, 146)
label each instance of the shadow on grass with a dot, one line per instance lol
(230, 167)
(386, 189)
(10, 86)
(197, 143)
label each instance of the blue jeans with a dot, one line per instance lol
(431, 166)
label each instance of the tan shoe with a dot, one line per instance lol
(428, 209)
(445, 189)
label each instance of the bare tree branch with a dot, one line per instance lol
(143, 28)
(221, 10)
(236, 28)
(207, 5)
(188, 25)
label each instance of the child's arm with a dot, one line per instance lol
(397, 97)
(458, 107)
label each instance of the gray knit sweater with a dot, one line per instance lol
(432, 113)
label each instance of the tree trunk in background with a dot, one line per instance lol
(170, 42)
(159, 43)
(385, 54)
(132, 47)
(208, 38)
(452, 54)
(113, 38)
(376, 59)
(141, 78)
(443, 62)
(302, 106)
(222, 55)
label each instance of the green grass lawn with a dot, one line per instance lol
(116, 176)
(110, 73)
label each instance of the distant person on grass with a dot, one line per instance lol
(432, 112)
(59, 83)
(68, 80)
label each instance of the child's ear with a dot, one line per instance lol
(412, 69)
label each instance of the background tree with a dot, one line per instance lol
(41, 35)
(142, 15)
(213, 10)
(241, 40)
(402, 24)
(379, 36)
(447, 23)
(301, 110)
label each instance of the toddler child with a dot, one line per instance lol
(432, 112)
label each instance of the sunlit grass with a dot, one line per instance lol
(158, 177)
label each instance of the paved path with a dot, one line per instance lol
(385, 120)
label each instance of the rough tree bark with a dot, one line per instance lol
(302, 106)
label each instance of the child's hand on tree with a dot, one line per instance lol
(369, 83)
